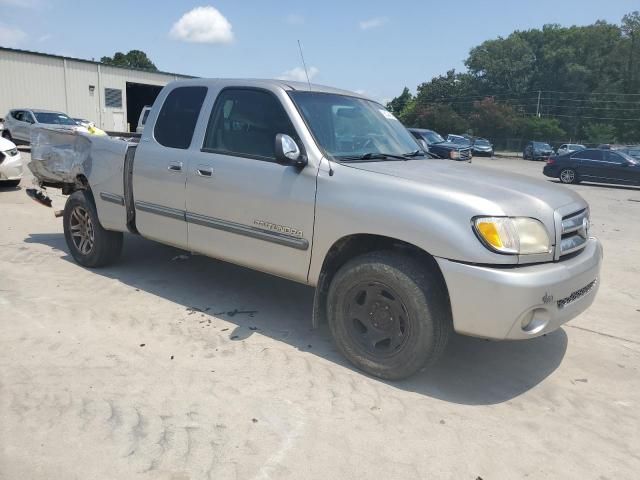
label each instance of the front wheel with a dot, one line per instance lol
(6, 134)
(89, 243)
(568, 175)
(388, 314)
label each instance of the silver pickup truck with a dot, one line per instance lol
(327, 188)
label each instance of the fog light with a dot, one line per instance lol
(535, 321)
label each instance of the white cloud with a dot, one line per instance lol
(297, 74)
(202, 25)
(11, 36)
(294, 19)
(372, 23)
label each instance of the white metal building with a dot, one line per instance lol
(112, 97)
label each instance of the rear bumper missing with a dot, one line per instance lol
(522, 302)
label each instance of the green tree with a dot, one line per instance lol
(133, 59)
(441, 118)
(399, 103)
(631, 29)
(600, 133)
(497, 121)
(543, 128)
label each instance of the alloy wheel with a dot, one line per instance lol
(82, 231)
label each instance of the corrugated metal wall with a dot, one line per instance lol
(30, 80)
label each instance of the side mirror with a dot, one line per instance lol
(423, 144)
(288, 152)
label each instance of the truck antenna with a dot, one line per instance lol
(304, 65)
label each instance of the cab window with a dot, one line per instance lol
(178, 117)
(244, 122)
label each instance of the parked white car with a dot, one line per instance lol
(19, 123)
(143, 119)
(10, 164)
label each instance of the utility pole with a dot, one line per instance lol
(538, 107)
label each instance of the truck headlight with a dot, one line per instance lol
(454, 154)
(513, 235)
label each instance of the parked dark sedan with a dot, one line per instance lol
(594, 165)
(537, 151)
(436, 145)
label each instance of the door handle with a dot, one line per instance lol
(204, 171)
(175, 167)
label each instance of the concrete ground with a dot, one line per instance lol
(168, 368)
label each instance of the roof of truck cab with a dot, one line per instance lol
(267, 83)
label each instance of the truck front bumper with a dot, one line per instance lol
(523, 301)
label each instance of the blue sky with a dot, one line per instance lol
(373, 46)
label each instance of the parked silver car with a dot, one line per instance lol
(19, 123)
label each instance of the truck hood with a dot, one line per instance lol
(490, 190)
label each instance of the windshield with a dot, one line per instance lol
(483, 143)
(53, 118)
(348, 126)
(431, 137)
(577, 147)
(542, 145)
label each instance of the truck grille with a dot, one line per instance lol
(563, 302)
(574, 232)
(465, 154)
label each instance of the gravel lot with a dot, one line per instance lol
(161, 368)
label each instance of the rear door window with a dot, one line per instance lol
(178, 117)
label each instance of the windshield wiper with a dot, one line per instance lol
(374, 156)
(416, 153)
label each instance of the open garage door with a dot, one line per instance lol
(138, 96)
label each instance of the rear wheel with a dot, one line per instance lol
(89, 243)
(568, 175)
(388, 314)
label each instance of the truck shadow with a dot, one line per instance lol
(472, 372)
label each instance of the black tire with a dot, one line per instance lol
(568, 175)
(411, 308)
(7, 134)
(80, 218)
(9, 183)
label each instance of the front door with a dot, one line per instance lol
(621, 170)
(590, 164)
(243, 206)
(161, 164)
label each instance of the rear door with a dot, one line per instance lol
(242, 205)
(161, 163)
(590, 164)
